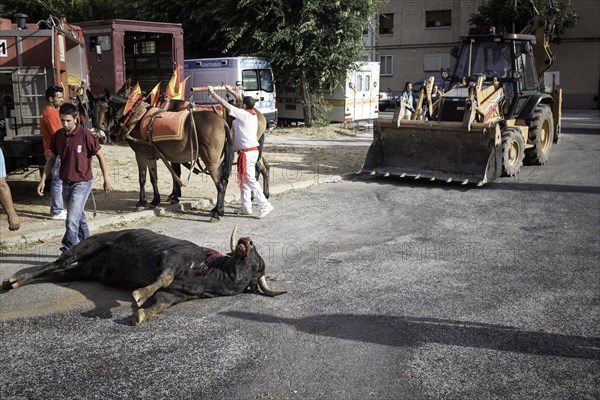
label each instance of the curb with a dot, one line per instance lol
(42, 235)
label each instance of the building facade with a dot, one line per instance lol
(414, 39)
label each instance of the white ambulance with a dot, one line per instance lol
(356, 100)
(253, 73)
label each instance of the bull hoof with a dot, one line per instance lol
(139, 296)
(214, 220)
(140, 205)
(11, 283)
(139, 317)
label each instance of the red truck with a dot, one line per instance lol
(34, 56)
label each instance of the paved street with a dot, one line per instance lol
(397, 289)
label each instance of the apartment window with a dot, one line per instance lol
(438, 19)
(386, 65)
(386, 24)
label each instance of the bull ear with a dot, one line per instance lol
(232, 239)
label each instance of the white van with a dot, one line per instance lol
(356, 100)
(254, 73)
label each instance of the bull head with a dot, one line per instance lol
(245, 250)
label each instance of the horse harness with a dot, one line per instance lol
(194, 147)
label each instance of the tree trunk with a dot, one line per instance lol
(308, 106)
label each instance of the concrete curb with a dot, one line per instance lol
(43, 234)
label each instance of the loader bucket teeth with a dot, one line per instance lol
(429, 149)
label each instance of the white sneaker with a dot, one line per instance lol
(243, 211)
(61, 216)
(265, 211)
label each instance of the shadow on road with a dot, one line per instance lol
(413, 331)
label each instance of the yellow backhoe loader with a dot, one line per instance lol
(492, 118)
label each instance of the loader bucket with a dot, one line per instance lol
(448, 151)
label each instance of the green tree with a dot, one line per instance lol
(499, 13)
(311, 43)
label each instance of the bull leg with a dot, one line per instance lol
(142, 294)
(176, 192)
(162, 301)
(64, 269)
(154, 181)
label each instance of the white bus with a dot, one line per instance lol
(253, 73)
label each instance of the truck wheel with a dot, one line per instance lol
(541, 133)
(513, 151)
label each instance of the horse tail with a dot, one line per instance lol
(261, 144)
(227, 157)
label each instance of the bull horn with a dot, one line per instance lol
(232, 240)
(262, 283)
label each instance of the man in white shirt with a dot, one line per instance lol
(245, 142)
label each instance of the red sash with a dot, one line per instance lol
(241, 163)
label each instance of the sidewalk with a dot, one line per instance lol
(36, 229)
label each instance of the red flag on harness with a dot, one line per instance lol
(136, 93)
(155, 95)
(180, 95)
(173, 85)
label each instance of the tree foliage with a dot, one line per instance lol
(311, 43)
(499, 13)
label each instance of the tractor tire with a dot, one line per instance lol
(541, 133)
(513, 151)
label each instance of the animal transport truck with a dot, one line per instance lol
(141, 51)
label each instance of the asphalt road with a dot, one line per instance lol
(398, 289)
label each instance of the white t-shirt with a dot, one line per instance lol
(245, 128)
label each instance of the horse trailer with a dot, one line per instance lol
(253, 73)
(34, 56)
(143, 51)
(356, 100)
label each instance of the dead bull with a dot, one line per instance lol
(161, 271)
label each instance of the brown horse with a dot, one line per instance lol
(100, 115)
(206, 136)
(262, 166)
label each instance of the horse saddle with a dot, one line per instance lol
(164, 126)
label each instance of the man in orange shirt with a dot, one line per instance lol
(49, 124)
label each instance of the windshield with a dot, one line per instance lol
(489, 58)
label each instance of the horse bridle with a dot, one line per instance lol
(121, 122)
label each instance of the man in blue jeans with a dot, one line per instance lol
(49, 124)
(75, 146)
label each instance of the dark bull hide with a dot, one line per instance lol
(161, 271)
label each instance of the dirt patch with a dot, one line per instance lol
(289, 164)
